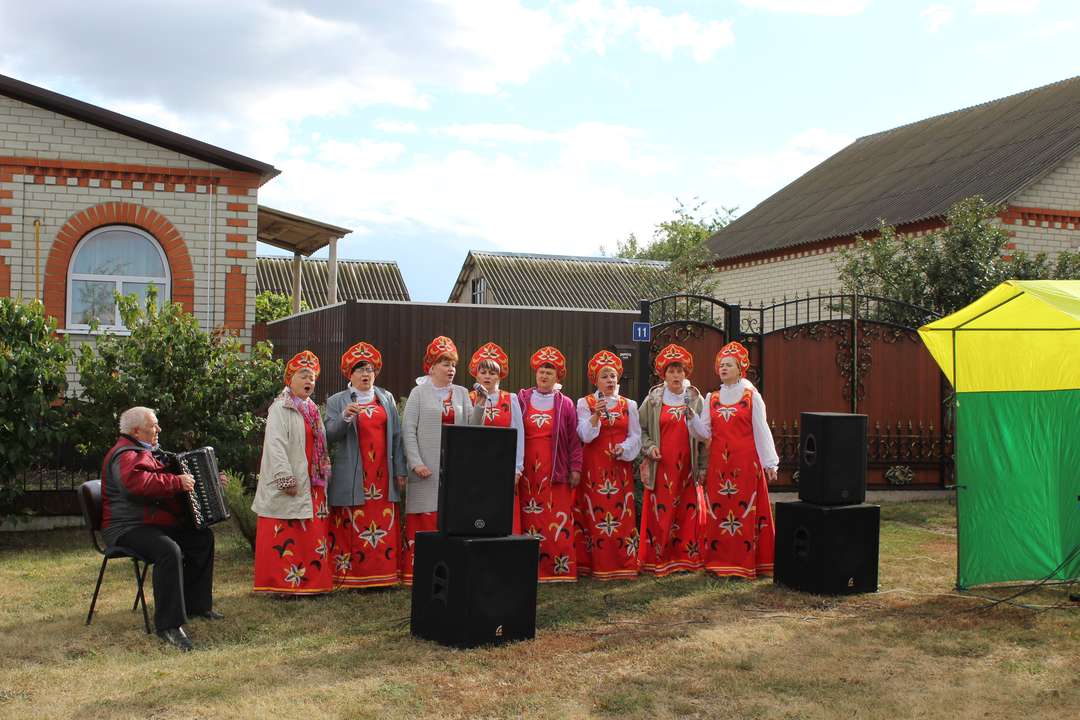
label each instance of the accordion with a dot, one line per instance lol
(206, 502)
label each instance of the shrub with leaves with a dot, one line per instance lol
(945, 270)
(271, 306)
(239, 496)
(202, 386)
(33, 366)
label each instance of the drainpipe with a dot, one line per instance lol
(37, 258)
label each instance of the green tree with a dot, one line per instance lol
(203, 388)
(945, 270)
(270, 306)
(681, 241)
(33, 367)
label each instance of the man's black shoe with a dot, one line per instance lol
(211, 615)
(177, 637)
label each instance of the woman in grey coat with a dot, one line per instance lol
(368, 475)
(434, 402)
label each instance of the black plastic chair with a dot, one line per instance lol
(90, 501)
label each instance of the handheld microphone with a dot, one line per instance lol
(354, 397)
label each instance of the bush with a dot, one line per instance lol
(271, 306)
(239, 498)
(33, 367)
(204, 390)
(947, 269)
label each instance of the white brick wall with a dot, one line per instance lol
(29, 131)
(761, 283)
(1058, 190)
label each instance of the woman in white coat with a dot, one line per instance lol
(291, 545)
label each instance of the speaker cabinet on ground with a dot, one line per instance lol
(476, 480)
(474, 591)
(828, 550)
(832, 458)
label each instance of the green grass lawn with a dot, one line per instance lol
(685, 646)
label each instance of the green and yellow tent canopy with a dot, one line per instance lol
(1013, 357)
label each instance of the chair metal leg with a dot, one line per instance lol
(93, 600)
(135, 605)
(140, 596)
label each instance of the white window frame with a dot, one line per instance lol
(479, 291)
(118, 280)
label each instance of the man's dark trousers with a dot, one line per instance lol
(183, 559)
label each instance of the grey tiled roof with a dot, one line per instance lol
(532, 280)
(359, 279)
(916, 172)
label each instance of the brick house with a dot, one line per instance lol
(1021, 152)
(92, 202)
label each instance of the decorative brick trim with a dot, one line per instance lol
(116, 213)
(235, 299)
(74, 173)
(1041, 217)
(234, 253)
(5, 278)
(822, 247)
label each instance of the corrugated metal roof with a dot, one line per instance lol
(531, 280)
(916, 172)
(357, 279)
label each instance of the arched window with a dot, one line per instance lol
(113, 259)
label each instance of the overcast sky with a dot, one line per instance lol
(436, 127)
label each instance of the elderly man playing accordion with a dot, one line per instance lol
(141, 511)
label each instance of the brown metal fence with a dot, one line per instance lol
(829, 353)
(402, 330)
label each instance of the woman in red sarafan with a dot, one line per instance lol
(606, 532)
(368, 475)
(292, 548)
(672, 469)
(552, 467)
(738, 536)
(494, 407)
(434, 402)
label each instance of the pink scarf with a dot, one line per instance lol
(310, 412)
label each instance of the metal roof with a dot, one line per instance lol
(916, 172)
(296, 233)
(109, 120)
(357, 279)
(531, 280)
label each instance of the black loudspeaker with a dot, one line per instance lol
(474, 591)
(832, 458)
(828, 550)
(476, 480)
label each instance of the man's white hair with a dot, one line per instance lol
(134, 418)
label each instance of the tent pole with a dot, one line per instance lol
(956, 443)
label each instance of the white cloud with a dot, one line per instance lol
(497, 133)
(396, 126)
(602, 24)
(832, 8)
(1005, 7)
(562, 201)
(937, 16)
(766, 172)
